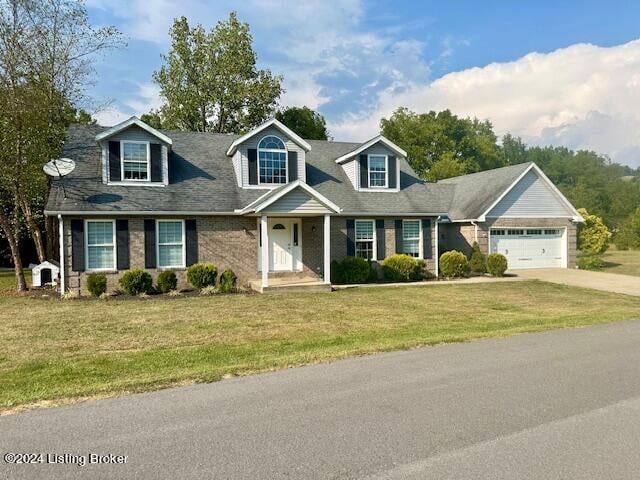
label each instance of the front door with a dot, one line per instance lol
(280, 257)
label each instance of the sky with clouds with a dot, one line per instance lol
(561, 73)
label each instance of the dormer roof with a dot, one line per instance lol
(129, 123)
(271, 123)
(379, 139)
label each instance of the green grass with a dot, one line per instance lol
(52, 350)
(626, 262)
(8, 280)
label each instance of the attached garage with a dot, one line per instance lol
(530, 247)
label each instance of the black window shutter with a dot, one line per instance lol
(114, 162)
(364, 172)
(122, 244)
(77, 245)
(252, 155)
(293, 166)
(295, 234)
(399, 245)
(380, 240)
(351, 245)
(149, 243)
(156, 162)
(392, 172)
(426, 238)
(191, 235)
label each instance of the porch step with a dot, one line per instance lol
(286, 285)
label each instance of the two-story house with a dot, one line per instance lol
(269, 204)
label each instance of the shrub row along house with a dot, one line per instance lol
(270, 204)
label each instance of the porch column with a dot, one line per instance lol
(264, 237)
(327, 248)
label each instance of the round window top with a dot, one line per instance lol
(278, 226)
(271, 142)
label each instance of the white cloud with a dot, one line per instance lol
(582, 96)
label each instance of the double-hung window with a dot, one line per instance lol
(171, 248)
(365, 239)
(272, 160)
(411, 238)
(101, 245)
(378, 171)
(135, 160)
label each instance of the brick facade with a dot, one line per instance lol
(232, 242)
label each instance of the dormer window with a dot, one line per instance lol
(378, 171)
(272, 158)
(135, 160)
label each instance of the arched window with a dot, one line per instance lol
(272, 158)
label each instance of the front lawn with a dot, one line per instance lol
(56, 350)
(626, 262)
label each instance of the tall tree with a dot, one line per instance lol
(210, 81)
(305, 122)
(46, 53)
(462, 145)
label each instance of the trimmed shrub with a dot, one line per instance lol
(355, 270)
(202, 275)
(401, 268)
(453, 264)
(136, 281)
(97, 284)
(589, 262)
(337, 275)
(228, 281)
(478, 260)
(374, 272)
(167, 281)
(496, 264)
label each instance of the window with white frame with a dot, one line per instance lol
(135, 160)
(365, 239)
(411, 237)
(378, 175)
(272, 160)
(170, 239)
(101, 245)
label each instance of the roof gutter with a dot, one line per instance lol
(51, 213)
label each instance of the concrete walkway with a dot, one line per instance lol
(607, 282)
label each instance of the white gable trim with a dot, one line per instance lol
(271, 123)
(290, 187)
(128, 123)
(576, 216)
(370, 143)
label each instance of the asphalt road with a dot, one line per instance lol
(561, 404)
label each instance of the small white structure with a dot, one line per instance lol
(45, 274)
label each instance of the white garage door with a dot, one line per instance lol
(530, 247)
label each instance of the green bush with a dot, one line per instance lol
(453, 264)
(167, 281)
(136, 282)
(228, 281)
(374, 273)
(354, 270)
(589, 262)
(337, 275)
(97, 284)
(478, 260)
(202, 275)
(628, 234)
(401, 268)
(497, 264)
(593, 235)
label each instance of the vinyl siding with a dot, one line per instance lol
(237, 167)
(135, 133)
(297, 202)
(253, 143)
(531, 197)
(350, 170)
(377, 149)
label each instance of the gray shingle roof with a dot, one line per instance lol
(202, 179)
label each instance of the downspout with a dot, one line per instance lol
(475, 230)
(437, 248)
(61, 242)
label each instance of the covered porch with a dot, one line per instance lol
(294, 244)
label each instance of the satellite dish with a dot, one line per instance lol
(59, 168)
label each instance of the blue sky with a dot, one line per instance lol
(563, 73)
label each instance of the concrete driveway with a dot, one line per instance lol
(607, 282)
(560, 404)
